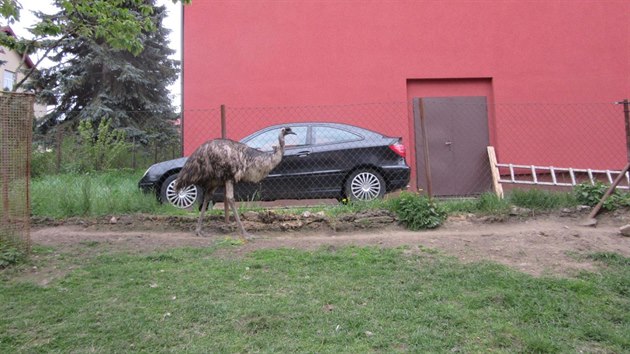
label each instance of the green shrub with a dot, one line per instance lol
(591, 194)
(418, 212)
(9, 254)
(42, 162)
(100, 145)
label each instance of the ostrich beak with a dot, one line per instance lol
(288, 131)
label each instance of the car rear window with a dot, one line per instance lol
(328, 135)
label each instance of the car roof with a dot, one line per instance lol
(343, 126)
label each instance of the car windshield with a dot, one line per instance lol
(266, 140)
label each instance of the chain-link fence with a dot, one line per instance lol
(16, 123)
(358, 151)
(335, 152)
(65, 150)
(551, 144)
(560, 145)
(436, 145)
(577, 135)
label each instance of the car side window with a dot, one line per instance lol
(267, 140)
(328, 135)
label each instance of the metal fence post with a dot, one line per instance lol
(226, 208)
(626, 113)
(591, 221)
(420, 126)
(58, 145)
(133, 153)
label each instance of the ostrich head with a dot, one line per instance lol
(284, 132)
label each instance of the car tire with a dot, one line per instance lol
(185, 199)
(364, 185)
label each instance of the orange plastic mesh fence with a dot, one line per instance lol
(16, 123)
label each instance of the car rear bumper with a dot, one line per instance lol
(396, 177)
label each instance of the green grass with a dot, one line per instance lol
(94, 194)
(541, 200)
(534, 199)
(116, 192)
(487, 203)
(349, 300)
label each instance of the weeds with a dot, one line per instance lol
(10, 254)
(418, 212)
(590, 194)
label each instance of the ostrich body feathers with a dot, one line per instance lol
(219, 160)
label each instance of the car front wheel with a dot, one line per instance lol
(365, 185)
(184, 199)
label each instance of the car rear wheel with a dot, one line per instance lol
(365, 185)
(184, 199)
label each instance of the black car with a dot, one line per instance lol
(323, 160)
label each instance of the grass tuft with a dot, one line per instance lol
(541, 200)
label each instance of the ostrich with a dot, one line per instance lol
(226, 162)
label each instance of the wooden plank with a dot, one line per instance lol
(498, 188)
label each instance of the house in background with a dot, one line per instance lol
(501, 57)
(11, 68)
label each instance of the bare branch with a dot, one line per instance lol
(32, 70)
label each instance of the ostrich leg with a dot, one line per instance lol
(207, 197)
(229, 197)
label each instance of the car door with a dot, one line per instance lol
(284, 181)
(332, 156)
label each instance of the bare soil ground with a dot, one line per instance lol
(543, 245)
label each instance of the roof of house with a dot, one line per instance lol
(9, 31)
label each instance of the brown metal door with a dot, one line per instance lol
(451, 141)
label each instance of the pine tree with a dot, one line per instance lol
(93, 81)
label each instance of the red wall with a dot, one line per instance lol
(293, 53)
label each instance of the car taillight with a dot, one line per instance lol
(399, 149)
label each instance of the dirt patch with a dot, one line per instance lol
(543, 245)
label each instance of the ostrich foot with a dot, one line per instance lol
(247, 237)
(200, 233)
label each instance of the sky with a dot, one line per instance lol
(172, 22)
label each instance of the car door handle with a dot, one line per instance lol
(303, 153)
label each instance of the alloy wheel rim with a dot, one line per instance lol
(183, 199)
(365, 186)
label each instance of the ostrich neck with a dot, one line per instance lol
(262, 165)
(281, 140)
(278, 152)
(276, 155)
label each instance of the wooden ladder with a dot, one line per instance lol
(531, 174)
